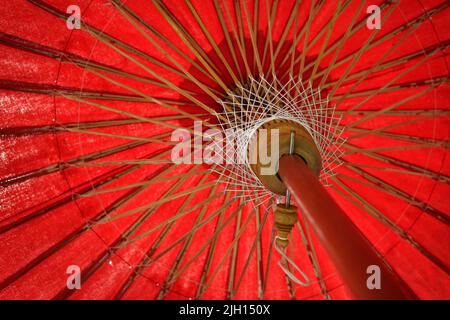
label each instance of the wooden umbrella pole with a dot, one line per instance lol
(355, 258)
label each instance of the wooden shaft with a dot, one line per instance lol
(351, 252)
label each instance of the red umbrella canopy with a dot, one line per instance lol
(93, 90)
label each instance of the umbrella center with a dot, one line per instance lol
(270, 141)
(259, 117)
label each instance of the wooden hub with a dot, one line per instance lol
(305, 147)
(285, 219)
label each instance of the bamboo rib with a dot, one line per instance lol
(162, 122)
(379, 66)
(202, 287)
(430, 142)
(390, 34)
(254, 248)
(259, 262)
(231, 249)
(136, 21)
(352, 150)
(155, 100)
(200, 225)
(226, 33)
(404, 112)
(287, 27)
(146, 259)
(269, 259)
(157, 203)
(169, 280)
(309, 245)
(122, 7)
(156, 75)
(268, 45)
(376, 67)
(234, 255)
(36, 48)
(434, 82)
(191, 43)
(329, 28)
(398, 103)
(168, 222)
(147, 183)
(376, 183)
(75, 193)
(65, 292)
(290, 283)
(76, 233)
(256, 21)
(403, 164)
(305, 40)
(339, 46)
(99, 33)
(55, 90)
(253, 38)
(298, 36)
(212, 42)
(227, 221)
(83, 125)
(237, 39)
(240, 27)
(73, 162)
(339, 42)
(361, 51)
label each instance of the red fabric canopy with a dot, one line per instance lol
(70, 128)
